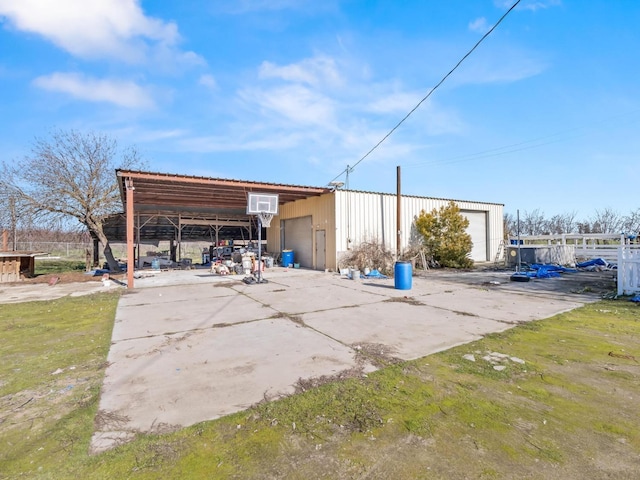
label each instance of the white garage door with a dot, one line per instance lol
(478, 231)
(298, 236)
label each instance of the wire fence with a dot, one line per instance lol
(65, 250)
(80, 251)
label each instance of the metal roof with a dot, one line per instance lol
(162, 201)
(192, 194)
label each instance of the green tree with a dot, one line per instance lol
(445, 236)
(70, 176)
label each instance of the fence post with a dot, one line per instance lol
(621, 268)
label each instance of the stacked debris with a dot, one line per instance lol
(369, 255)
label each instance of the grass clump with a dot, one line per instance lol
(561, 407)
(46, 266)
(53, 358)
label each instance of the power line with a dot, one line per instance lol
(350, 168)
(526, 144)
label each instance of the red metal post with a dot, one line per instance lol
(130, 219)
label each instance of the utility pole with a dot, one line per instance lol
(398, 213)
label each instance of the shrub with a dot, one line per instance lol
(445, 236)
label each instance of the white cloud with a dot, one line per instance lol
(295, 103)
(208, 81)
(429, 117)
(396, 102)
(97, 28)
(503, 65)
(123, 93)
(479, 25)
(312, 71)
(153, 136)
(240, 141)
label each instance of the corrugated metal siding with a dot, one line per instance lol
(361, 216)
(322, 211)
(364, 216)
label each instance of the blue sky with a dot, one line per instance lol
(545, 114)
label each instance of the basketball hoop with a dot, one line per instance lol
(265, 218)
(264, 206)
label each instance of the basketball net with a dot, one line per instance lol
(265, 218)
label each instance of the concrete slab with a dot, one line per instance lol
(166, 317)
(313, 298)
(408, 331)
(196, 293)
(498, 305)
(192, 347)
(28, 292)
(163, 382)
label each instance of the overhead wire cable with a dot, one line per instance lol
(350, 168)
(525, 144)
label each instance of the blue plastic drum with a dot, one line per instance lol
(403, 273)
(287, 258)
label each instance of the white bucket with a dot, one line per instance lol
(355, 274)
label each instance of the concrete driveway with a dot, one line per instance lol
(188, 346)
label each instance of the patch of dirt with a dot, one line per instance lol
(594, 284)
(56, 285)
(53, 401)
(67, 277)
(304, 384)
(405, 299)
(375, 353)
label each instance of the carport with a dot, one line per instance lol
(159, 206)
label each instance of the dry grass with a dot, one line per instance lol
(370, 254)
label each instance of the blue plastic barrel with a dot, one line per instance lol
(402, 273)
(155, 264)
(287, 258)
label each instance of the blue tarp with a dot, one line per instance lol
(98, 272)
(375, 274)
(593, 263)
(635, 299)
(547, 271)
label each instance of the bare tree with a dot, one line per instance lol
(606, 221)
(71, 176)
(554, 225)
(562, 223)
(509, 225)
(631, 223)
(533, 223)
(12, 215)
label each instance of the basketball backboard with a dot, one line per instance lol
(262, 203)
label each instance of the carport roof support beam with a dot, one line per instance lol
(130, 218)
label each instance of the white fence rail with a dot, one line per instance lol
(628, 270)
(587, 246)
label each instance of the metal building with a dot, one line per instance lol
(318, 224)
(321, 229)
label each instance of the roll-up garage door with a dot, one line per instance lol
(298, 236)
(478, 231)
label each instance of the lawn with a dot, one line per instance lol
(557, 398)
